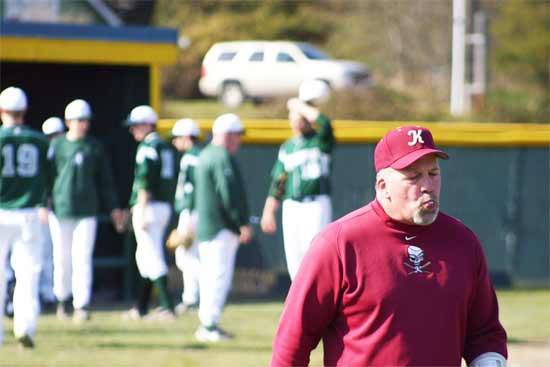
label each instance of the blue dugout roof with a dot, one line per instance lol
(89, 32)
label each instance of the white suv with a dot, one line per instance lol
(237, 70)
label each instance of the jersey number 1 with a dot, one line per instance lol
(21, 160)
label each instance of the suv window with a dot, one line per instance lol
(226, 56)
(284, 57)
(257, 56)
(311, 52)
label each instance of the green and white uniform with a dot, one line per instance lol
(301, 179)
(82, 186)
(155, 172)
(187, 260)
(222, 207)
(24, 177)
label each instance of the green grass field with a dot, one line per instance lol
(109, 341)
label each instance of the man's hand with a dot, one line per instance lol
(269, 222)
(246, 234)
(119, 218)
(309, 112)
(43, 215)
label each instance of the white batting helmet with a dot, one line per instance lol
(13, 99)
(142, 115)
(53, 125)
(78, 109)
(185, 127)
(316, 91)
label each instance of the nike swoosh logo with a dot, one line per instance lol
(407, 238)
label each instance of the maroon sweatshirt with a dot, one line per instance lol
(383, 293)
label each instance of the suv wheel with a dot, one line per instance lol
(232, 95)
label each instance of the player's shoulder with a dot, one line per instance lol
(347, 227)
(455, 227)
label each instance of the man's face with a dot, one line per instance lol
(179, 143)
(414, 191)
(298, 123)
(78, 127)
(140, 131)
(12, 117)
(233, 142)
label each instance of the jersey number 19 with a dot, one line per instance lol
(19, 160)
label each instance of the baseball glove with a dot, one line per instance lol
(176, 239)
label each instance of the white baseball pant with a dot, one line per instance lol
(217, 263)
(45, 284)
(150, 259)
(20, 230)
(73, 247)
(187, 260)
(302, 220)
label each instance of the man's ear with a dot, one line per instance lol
(382, 187)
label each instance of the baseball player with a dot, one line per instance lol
(185, 135)
(223, 222)
(151, 204)
(23, 199)
(52, 128)
(301, 176)
(82, 184)
(396, 282)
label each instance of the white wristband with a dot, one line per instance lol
(490, 359)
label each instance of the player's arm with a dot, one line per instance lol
(484, 333)
(318, 121)
(268, 222)
(310, 304)
(231, 190)
(107, 190)
(144, 180)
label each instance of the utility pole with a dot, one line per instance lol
(458, 58)
(478, 40)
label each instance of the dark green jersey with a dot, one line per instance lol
(185, 189)
(24, 169)
(83, 181)
(221, 199)
(303, 164)
(155, 172)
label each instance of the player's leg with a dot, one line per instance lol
(187, 261)
(150, 253)
(158, 268)
(26, 260)
(46, 276)
(62, 236)
(291, 223)
(314, 216)
(7, 234)
(82, 268)
(217, 266)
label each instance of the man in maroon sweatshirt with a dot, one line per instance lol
(396, 282)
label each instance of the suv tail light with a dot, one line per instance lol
(203, 71)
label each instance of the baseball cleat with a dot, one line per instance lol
(160, 314)
(25, 342)
(132, 314)
(81, 315)
(62, 311)
(212, 334)
(183, 308)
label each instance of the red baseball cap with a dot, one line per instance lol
(404, 145)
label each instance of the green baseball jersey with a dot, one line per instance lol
(303, 164)
(185, 188)
(24, 168)
(155, 171)
(220, 195)
(82, 179)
